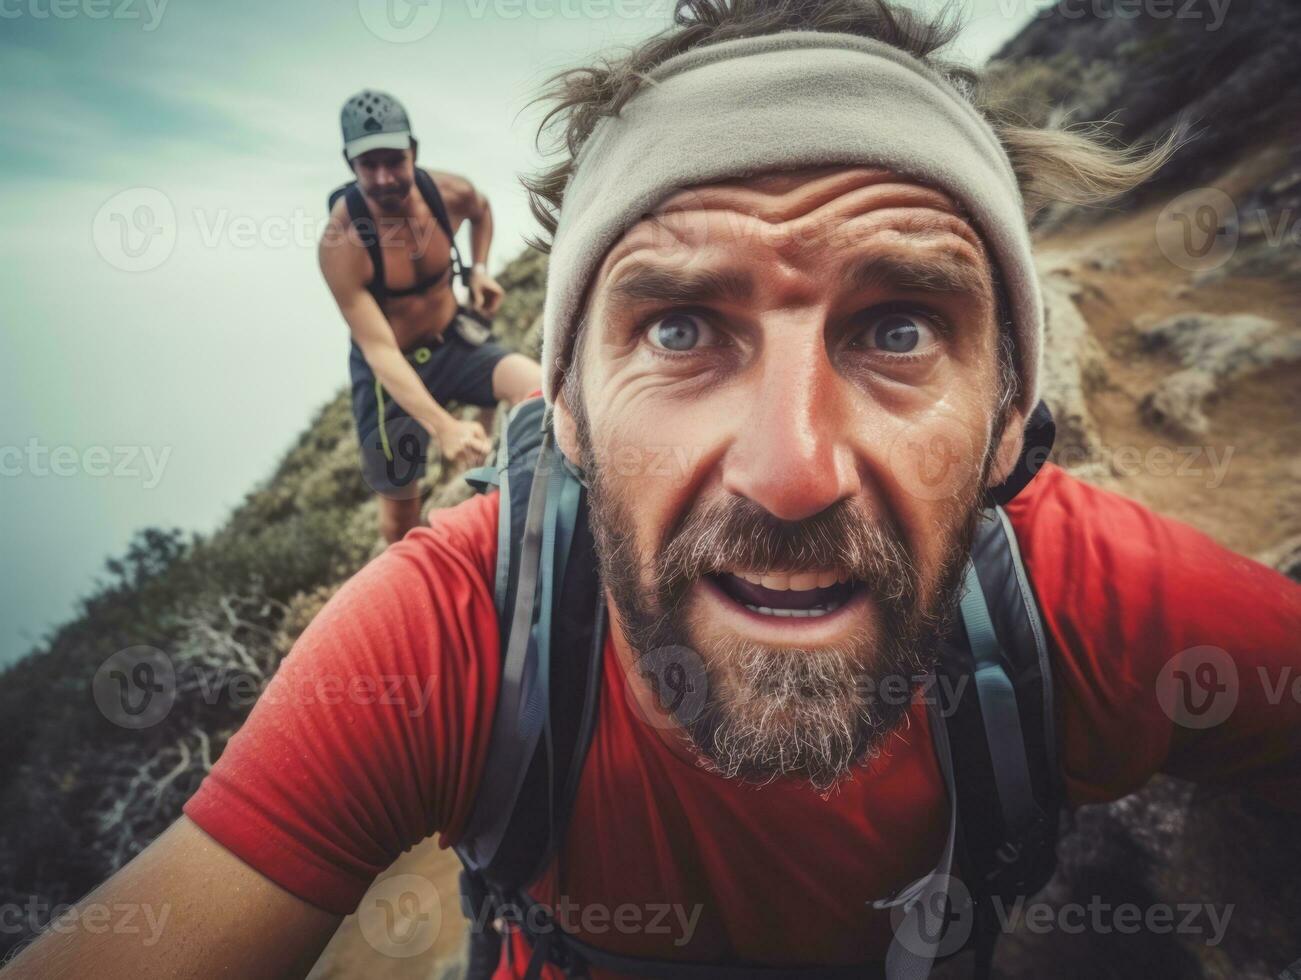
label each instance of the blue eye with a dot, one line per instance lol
(677, 332)
(899, 333)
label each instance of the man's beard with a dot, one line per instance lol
(771, 711)
(392, 202)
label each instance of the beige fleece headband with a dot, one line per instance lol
(781, 102)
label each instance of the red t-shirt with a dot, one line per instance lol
(372, 735)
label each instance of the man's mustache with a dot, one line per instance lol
(736, 533)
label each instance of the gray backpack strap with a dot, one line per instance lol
(517, 721)
(917, 938)
(998, 710)
(1004, 736)
(551, 623)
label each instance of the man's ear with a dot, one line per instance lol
(348, 162)
(414, 147)
(566, 428)
(1008, 450)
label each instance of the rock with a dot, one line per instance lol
(1213, 351)
(1105, 262)
(1073, 362)
(1176, 403)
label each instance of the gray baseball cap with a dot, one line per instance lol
(373, 121)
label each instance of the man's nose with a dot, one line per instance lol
(793, 450)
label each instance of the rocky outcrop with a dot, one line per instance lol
(1073, 362)
(1211, 352)
(1227, 68)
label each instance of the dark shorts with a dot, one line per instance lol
(458, 369)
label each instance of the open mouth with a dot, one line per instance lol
(792, 595)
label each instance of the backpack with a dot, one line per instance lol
(996, 750)
(364, 222)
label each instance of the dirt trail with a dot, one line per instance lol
(1240, 481)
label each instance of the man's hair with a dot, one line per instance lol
(1075, 164)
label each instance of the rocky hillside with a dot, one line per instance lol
(79, 794)
(1172, 369)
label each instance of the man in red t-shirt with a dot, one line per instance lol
(746, 376)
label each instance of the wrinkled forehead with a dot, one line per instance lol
(794, 99)
(817, 217)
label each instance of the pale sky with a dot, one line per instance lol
(154, 381)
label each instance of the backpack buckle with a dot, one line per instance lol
(1009, 852)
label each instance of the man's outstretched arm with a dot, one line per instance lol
(196, 911)
(368, 739)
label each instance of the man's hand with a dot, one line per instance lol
(464, 443)
(485, 292)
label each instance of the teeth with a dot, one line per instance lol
(796, 581)
(794, 613)
(803, 581)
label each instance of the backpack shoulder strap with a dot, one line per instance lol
(552, 637)
(1001, 721)
(433, 198)
(364, 223)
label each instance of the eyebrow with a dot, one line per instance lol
(937, 275)
(646, 284)
(941, 274)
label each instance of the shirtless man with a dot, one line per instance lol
(389, 258)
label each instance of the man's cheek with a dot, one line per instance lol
(934, 459)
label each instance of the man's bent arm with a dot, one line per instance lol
(479, 215)
(198, 911)
(371, 330)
